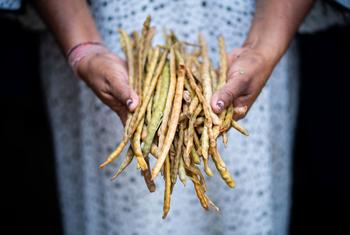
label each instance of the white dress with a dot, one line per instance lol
(85, 131)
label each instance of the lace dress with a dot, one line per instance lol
(85, 131)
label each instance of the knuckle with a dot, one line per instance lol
(112, 74)
(227, 93)
(244, 80)
(236, 52)
(110, 56)
(118, 74)
(232, 73)
(256, 58)
(106, 86)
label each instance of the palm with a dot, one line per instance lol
(107, 76)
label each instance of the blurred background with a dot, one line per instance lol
(321, 188)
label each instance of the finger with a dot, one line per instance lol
(120, 110)
(237, 82)
(114, 104)
(119, 61)
(242, 105)
(121, 90)
(223, 97)
(234, 88)
(240, 112)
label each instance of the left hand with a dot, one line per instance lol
(248, 72)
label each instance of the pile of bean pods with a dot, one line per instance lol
(174, 121)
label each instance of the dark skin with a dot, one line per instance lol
(274, 25)
(104, 72)
(275, 22)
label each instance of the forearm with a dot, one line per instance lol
(69, 20)
(274, 25)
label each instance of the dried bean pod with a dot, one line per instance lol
(167, 190)
(174, 119)
(127, 160)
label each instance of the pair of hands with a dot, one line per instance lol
(107, 76)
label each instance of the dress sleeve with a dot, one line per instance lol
(345, 3)
(10, 4)
(321, 17)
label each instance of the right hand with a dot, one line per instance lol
(106, 74)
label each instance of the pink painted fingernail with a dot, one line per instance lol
(129, 103)
(220, 105)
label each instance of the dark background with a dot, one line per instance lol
(29, 201)
(321, 197)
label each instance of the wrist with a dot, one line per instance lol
(82, 50)
(272, 52)
(271, 39)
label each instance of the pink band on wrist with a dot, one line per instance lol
(80, 51)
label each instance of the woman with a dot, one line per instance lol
(85, 130)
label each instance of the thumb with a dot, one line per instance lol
(225, 96)
(121, 90)
(231, 90)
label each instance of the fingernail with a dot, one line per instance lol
(241, 110)
(129, 103)
(220, 105)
